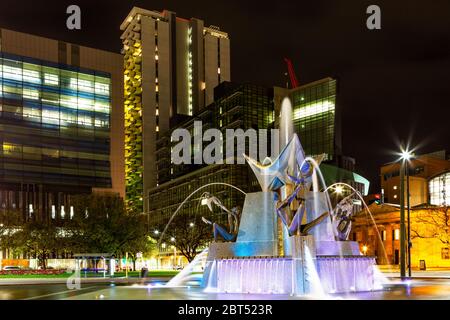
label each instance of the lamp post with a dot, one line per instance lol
(408, 156)
(174, 253)
(405, 157)
(402, 220)
(408, 203)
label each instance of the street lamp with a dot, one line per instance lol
(174, 252)
(365, 249)
(339, 189)
(191, 224)
(406, 156)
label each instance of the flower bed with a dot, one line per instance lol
(32, 272)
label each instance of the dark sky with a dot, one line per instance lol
(394, 83)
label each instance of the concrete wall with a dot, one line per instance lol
(211, 65)
(148, 102)
(182, 47)
(164, 77)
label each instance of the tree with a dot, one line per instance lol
(102, 225)
(431, 223)
(142, 244)
(37, 238)
(9, 222)
(191, 234)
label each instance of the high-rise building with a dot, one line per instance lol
(172, 66)
(236, 106)
(316, 117)
(59, 121)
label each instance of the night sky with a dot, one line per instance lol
(394, 83)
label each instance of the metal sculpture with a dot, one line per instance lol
(233, 219)
(342, 218)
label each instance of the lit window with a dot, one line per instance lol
(218, 70)
(31, 76)
(102, 88)
(157, 89)
(12, 73)
(73, 84)
(440, 190)
(85, 86)
(313, 109)
(397, 234)
(157, 128)
(51, 79)
(395, 187)
(384, 235)
(157, 112)
(30, 94)
(156, 57)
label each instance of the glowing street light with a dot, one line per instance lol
(191, 224)
(365, 249)
(172, 239)
(156, 232)
(406, 155)
(339, 189)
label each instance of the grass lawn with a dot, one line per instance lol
(131, 274)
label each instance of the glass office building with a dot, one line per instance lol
(315, 117)
(54, 132)
(236, 106)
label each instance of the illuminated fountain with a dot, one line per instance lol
(290, 240)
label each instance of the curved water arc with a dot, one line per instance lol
(358, 193)
(188, 198)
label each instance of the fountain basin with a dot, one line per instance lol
(281, 275)
(305, 272)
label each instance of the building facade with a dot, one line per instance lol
(316, 118)
(422, 169)
(59, 121)
(242, 106)
(429, 181)
(430, 236)
(172, 66)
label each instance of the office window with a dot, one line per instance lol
(51, 79)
